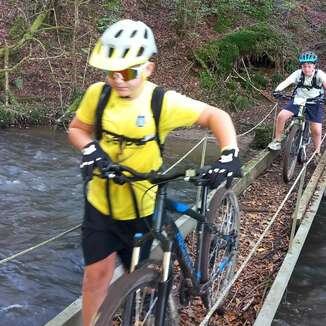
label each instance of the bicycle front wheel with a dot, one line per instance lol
(221, 241)
(132, 300)
(291, 152)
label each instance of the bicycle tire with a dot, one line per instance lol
(221, 243)
(302, 155)
(291, 152)
(111, 311)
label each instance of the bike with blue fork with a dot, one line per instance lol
(144, 296)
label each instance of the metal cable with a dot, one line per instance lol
(39, 245)
(79, 225)
(185, 155)
(257, 125)
(253, 250)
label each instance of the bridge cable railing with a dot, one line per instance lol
(62, 234)
(224, 293)
(203, 141)
(253, 250)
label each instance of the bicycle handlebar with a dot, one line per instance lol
(115, 172)
(318, 100)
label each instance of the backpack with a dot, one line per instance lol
(156, 106)
(313, 83)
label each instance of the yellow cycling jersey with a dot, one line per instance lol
(133, 118)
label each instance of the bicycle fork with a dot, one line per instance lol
(304, 141)
(165, 283)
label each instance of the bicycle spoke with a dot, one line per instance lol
(222, 248)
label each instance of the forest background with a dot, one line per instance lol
(230, 53)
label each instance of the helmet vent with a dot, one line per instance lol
(118, 34)
(146, 34)
(110, 52)
(133, 34)
(125, 52)
(140, 51)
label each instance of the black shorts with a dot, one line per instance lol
(102, 235)
(314, 112)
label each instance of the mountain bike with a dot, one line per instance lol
(298, 137)
(143, 296)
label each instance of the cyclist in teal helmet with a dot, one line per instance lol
(309, 83)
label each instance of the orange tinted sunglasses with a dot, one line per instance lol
(126, 74)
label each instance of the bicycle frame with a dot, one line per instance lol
(301, 121)
(173, 241)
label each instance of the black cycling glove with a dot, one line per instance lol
(93, 156)
(226, 168)
(277, 94)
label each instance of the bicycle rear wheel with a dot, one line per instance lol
(291, 152)
(221, 241)
(132, 300)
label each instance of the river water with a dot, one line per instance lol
(40, 197)
(304, 303)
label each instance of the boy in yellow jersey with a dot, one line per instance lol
(124, 51)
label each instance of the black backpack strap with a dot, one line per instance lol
(300, 83)
(104, 99)
(156, 106)
(314, 80)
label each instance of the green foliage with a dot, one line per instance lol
(259, 9)
(291, 65)
(18, 114)
(18, 27)
(207, 81)
(221, 55)
(74, 105)
(19, 83)
(232, 96)
(240, 102)
(276, 79)
(187, 15)
(114, 11)
(263, 135)
(6, 117)
(223, 23)
(259, 80)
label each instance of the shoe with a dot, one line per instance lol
(275, 145)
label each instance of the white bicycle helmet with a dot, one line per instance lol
(124, 44)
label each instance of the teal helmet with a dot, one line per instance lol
(309, 57)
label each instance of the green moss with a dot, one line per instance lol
(259, 80)
(291, 65)
(223, 23)
(18, 27)
(276, 79)
(263, 135)
(207, 81)
(6, 117)
(18, 114)
(245, 40)
(221, 55)
(37, 115)
(257, 9)
(240, 103)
